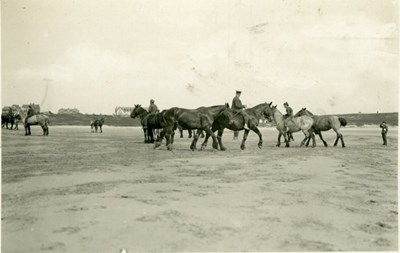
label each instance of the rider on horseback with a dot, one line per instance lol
(238, 108)
(289, 114)
(153, 109)
(30, 113)
(289, 110)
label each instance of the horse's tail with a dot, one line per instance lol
(343, 121)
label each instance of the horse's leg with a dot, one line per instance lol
(190, 133)
(339, 136)
(322, 139)
(146, 137)
(307, 136)
(202, 134)
(243, 145)
(151, 135)
(159, 139)
(313, 138)
(168, 136)
(285, 136)
(101, 129)
(204, 144)
(219, 138)
(279, 139)
(257, 131)
(181, 132)
(195, 138)
(210, 132)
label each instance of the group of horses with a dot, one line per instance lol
(14, 119)
(96, 124)
(216, 118)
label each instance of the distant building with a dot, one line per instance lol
(123, 111)
(21, 110)
(68, 111)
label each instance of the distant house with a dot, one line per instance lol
(25, 107)
(123, 111)
(68, 111)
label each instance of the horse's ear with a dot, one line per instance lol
(227, 105)
(270, 104)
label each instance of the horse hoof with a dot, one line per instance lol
(343, 146)
(278, 145)
(242, 147)
(223, 148)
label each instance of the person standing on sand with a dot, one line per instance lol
(384, 132)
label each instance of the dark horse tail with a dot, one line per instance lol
(343, 121)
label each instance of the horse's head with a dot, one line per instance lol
(136, 111)
(268, 113)
(18, 117)
(302, 112)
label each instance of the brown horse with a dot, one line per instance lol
(201, 119)
(325, 123)
(292, 124)
(237, 124)
(150, 122)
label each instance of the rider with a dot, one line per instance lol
(30, 113)
(238, 107)
(153, 109)
(289, 114)
(289, 110)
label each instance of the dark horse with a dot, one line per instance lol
(38, 119)
(237, 123)
(97, 123)
(149, 122)
(201, 119)
(6, 119)
(325, 123)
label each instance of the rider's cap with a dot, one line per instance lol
(238, 92)
(151, 100)
(286, 103)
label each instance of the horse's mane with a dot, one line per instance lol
(213, 107)
(258, 106)
(308, 111)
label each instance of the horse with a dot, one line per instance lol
(325, 123)
(38, 119)
(97, 123)
(7, 118)
(237, 124)
(292, 125)
(149, 122)
(201, 119)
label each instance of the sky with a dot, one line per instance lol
(331, 56)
